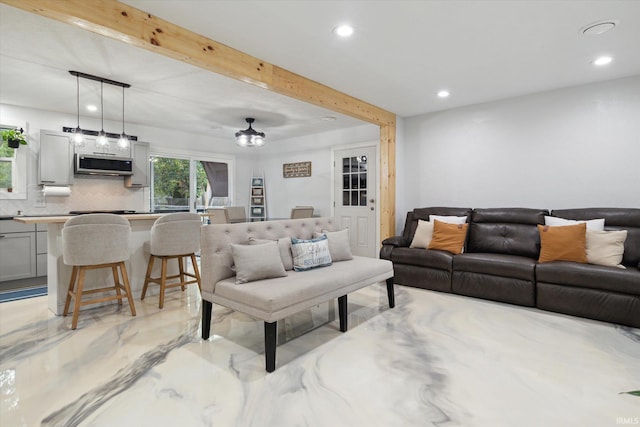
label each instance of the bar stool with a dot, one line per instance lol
(174, 236)
(91, 242)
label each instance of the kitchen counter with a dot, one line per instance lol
(52, 219)
(59, 273)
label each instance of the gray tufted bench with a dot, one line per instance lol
(273, 299)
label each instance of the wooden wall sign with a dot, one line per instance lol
(296, 170)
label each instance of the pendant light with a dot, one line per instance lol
(78, 137)
(102, 140)
(123, 142)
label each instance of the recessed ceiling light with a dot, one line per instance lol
(343, 30)
(92, 108)
(603, 60)
(443, 94)
(597, 28)
(329, 118)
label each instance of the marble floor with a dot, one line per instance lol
(434, 360)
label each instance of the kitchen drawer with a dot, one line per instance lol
(15, 227)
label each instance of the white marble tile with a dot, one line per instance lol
(435, 359)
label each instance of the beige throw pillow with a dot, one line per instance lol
(339, 244)
(592, 224)
(284, 244)
(255, 262)
(605, 247)
(423, 235)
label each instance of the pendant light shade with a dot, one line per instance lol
(78, 137)
(102, 140)
(250, 137)
(123, 141)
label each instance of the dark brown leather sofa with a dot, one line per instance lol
(499, 263)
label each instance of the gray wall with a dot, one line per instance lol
(574, 147)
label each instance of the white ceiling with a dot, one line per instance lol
(401, 54)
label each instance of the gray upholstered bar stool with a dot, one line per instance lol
(176, 236)
(91, 242)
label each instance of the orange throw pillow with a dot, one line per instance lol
(563, 243)
(448, 237)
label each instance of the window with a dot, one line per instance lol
(13, 170)
(187, 184)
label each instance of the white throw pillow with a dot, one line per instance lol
(605, 247)
(308, 254)
(448, 219)
(255, 262)
(592, 224)
(339, 245)
(423, 234)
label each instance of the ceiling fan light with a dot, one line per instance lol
(250, 137)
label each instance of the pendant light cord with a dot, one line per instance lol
(102, 104)
(78, 98)
(123, 110)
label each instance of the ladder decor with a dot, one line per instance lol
(257, 200)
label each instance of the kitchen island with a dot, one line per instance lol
(59, 274)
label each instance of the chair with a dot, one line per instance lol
(92, 242)
(235, 214)
(219, 216)
(174, 236)
(302, 212)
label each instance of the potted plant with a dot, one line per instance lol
(14, 137)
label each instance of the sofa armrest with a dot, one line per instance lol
(396, 241)
(390, 243)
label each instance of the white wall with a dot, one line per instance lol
(574, 147)
(285, 193)
(110, 193)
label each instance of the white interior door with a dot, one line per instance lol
(355, 197)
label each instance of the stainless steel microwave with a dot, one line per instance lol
(91, 164)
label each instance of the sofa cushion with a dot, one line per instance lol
(440, 260)
(605, 247)
(510, 231)
(563, 243)
(497, 265)
(592, 224)
(448, 237)
(339, 244)
(590, 276)
(255, 262)
(284, 244)
(411, 222)
(423, 235)
(310, 253)
(614, 219)
(296, 287)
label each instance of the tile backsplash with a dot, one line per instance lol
(87, 193)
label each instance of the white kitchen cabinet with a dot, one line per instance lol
(17, 250)
(111, 149)
(140, 177)
(55, 161)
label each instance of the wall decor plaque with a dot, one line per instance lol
(296, 170)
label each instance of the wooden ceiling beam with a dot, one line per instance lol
(135, 27)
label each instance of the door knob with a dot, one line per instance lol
(372, 208)
(372, 200)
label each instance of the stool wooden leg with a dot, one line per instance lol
(196, 270)
(116, 282)
(148, 276)
(163, 281)
(127, 287)
(76, 307)
(181, 267)
(72, 284)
